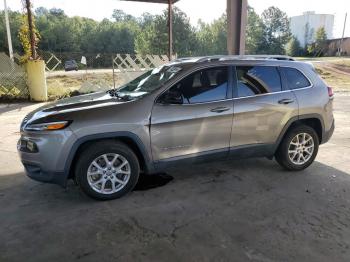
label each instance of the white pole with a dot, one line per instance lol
(342, 37)
(9, 40)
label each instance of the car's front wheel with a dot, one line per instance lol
(298, 148)
(107, 170)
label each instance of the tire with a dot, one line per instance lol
(119, 174)
(290, 146)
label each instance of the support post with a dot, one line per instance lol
(9, 40)
(236, 26)
(170, 28)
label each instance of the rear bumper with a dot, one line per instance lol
(328, 134)
(35, 172)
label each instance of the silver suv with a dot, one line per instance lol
(189, 110)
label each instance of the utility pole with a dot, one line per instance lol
(342, 38)
(9, 40)
(31, 30)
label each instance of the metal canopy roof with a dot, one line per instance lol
(154, 1)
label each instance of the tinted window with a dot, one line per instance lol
(204, 86)
(295, 78)
(254, 80)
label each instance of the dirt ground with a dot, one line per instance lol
(247, 210)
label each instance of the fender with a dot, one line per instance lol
(294, 119)
(149, 167)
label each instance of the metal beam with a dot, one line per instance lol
(170, 30)
(154, 1)
(236, 26)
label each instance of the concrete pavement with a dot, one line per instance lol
(247, 210)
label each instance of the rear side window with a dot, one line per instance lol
(255, 80)
(295, 78)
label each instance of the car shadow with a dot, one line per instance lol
(248, 170)
(147, 182)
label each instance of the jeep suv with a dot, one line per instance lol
(189, 110)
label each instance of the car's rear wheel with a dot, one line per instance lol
(298, 148)
(107, 170)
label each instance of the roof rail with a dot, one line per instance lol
(244, 57)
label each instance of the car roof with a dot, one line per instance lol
(272, 60)
(234, 58)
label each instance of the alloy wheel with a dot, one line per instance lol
(301, 148)
(108, 173)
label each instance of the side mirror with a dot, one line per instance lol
(172, 96)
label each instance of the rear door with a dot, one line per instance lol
(262, 106)
(198, 124)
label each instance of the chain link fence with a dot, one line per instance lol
(13, 84)
(100, 72)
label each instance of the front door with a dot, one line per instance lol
(194, 117)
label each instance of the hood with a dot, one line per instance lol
(76, 103)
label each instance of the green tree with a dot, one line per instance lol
(319, 47)
(254, 32)
(148, 34)
(153, 38)
(276, 31)
(293, 47)
(212, 38)
(120, 16)
(15, 19)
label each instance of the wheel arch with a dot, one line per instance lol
(128, 138)
(313, 120)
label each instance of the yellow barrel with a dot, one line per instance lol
(36, 80)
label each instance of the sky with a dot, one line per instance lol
(206, 10)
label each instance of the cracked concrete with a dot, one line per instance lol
(247, 210)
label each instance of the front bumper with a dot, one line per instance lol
(35, 172)
(48, 162)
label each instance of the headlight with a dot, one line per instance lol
(47, 126)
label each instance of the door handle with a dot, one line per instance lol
(219, 109)
(286, 101)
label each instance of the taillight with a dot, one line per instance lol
(330, 91)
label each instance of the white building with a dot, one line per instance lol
(305, 26)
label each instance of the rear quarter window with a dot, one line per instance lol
(295, 78)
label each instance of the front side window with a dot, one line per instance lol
(295, 78)
(255, 80)
(202, 86)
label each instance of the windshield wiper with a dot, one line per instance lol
(115, 93)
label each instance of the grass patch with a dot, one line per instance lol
(69, 85)
(338, 81)
(335, 71)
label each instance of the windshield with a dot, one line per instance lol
(149, 81)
